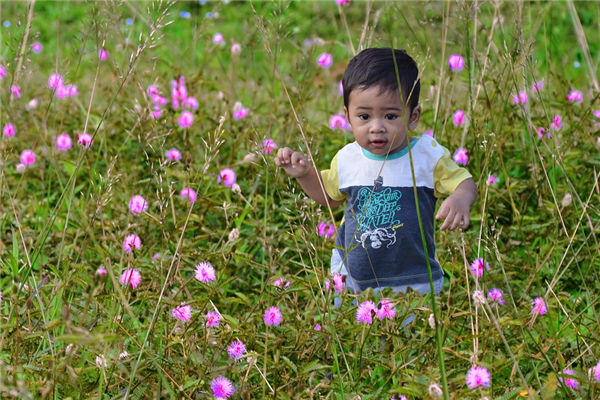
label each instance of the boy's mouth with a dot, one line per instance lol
(378, 143)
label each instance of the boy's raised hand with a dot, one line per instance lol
(292, 162)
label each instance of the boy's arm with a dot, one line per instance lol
(456, 208)
(296, 165)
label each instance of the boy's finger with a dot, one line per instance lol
(457, 222)
(298, 159)
(442, 212)
(447, 222)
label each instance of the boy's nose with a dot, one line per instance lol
(377, 126)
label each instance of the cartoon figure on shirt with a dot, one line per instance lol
(378, 219)
(377, 237)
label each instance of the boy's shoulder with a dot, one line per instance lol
(350, 150)
(429, 145)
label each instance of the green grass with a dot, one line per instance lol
(68, 214)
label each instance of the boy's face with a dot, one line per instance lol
(379, 121)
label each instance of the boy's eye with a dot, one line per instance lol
(391, 116)
(364, 117)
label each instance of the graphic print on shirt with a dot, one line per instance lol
(377, 216)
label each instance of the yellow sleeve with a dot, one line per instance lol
(331, 181)
(447, 175)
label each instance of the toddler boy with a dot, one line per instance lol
(379, 241)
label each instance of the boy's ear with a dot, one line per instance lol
(415, 116)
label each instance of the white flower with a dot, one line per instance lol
(101, 361)
(431, 321)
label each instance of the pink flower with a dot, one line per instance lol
(239, 111)
(15, 91)
(324, 60)
(325, 230)
(340, 88)
(2, 72)
(182, 312)
(218, 38)
(85, 139)
(343, 2)
(575, 96)
(36, 47)
(597, 114)
(205, 272)
(212, 319)
(178, 92)
(236, 48)
(429, 133)
(55, 81)
(458, 117)
(597, 371)
(137, 204)
(539, 306)
(330, 230)
(222, 388)
(540, 132)
(130, 277)
(152, 90)
(478, 376)
(521, 98)
(557, 122)
(27, 157)
(132, 241)
(327, 285)
(158, 101)
(338, 121)
(190, 102)
(174, 154)
(338, 282)
(72, 90)
(477, 267)
(64, 142)
(186, 119)
(456, 62)
(102, 55)
(62, 92)
(386, 310)
(363, 313)
(189, 193)
(278, 282)
(101, 271)
(236, 349)
(9, 130)
(537, 86)
(492, 179)
(227, 175)
(156, 114)
(269, 146)
(460, 156)
(495, 295)
(570, 382)
(321, 228)
(317, 327)
(272, 316)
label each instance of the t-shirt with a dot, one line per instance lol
(379, 239)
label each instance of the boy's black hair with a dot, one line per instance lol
(375, 67)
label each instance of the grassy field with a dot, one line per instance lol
(75, 321)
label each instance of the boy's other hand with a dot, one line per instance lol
(455, 213)
(292, 162)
